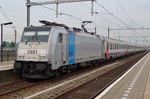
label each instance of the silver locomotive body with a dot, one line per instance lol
(47, 50)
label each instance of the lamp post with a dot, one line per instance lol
(2, 38)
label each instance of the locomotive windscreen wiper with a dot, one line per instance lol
(36, 37)
(26, 42)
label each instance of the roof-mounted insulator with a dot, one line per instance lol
(77, 29)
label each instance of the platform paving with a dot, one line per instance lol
(134, 84)
(6, 65)
(147, 89)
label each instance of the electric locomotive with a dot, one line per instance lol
(49, 50)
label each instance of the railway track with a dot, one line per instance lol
(90, 89)
(14, 86)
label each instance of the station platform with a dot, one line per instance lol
(134, 84)
(6, 65)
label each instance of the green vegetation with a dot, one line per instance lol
(9, 51)
(9, 45)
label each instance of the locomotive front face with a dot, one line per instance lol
(34, 45)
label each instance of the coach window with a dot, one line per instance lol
(60, 38)
(113, 46)
(110, 45)
(120, 46)
(116, 46)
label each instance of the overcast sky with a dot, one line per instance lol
(134, 13)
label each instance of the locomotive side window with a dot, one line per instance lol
(60, 38)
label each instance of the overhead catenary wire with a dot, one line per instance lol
(69, 15)
(116, 17)
(97, 13)
(6, 17)
(111, 14)
(125, 11)
(106, 19)
(60, 13)
(134, 31)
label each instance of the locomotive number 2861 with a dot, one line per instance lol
(32, 52)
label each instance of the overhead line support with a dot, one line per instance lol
(29, 4)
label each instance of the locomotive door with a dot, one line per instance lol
(62, 48)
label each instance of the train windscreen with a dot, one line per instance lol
(35, 36)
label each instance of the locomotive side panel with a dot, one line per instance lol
(88, 47)
(58, 46)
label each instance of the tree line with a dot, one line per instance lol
(7, 44)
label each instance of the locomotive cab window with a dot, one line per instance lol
(35, 35)
(60, 38)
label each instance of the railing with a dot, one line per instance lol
(8, 55)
